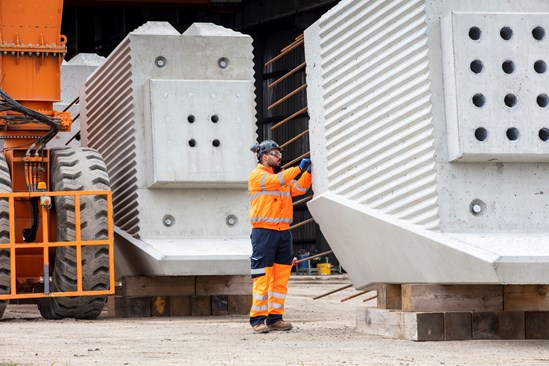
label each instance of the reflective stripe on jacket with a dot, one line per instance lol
(271, 196)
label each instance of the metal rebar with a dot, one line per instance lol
(303, 200)
(296, 160)
(333, 291)
(296, 40)
(314, 256)
(301, 224)
(289, 118)
(287, 96)
(368, 288)
(72, 103)
(369, 298)
(295, 138)
(285, 76)
(286, 51)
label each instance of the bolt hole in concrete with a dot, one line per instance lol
(231, 220)
(508, 67)
(214, 118)
(540, 66)
(223, 62)
(168, 220)
(544, 134)
(481, 134)
(510, 100)
(479, 100)
(513, 134)
(474, 33)
(506, 33)
(477, 66)
(477, 207)
(538, 33)
(542, 100)
(216, 143)
(191, 118)
(192, 142)
(160, 61)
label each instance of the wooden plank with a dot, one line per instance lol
(132, 307)
(141, 286)
(458, 326)
(526, 297)
(201, 305)
(239, 304)
(437, 298)
(379, 322)
(223, 285)
(160, 306)
(180, 306)
(536, 324)
(511, 325)
(485, 325)
(423, 326)
(220, 305)
(389, 296)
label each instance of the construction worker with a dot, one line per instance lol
(271, 213)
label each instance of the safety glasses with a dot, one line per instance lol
(276, 154)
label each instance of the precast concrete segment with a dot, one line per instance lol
(432, 113)
(174, 116)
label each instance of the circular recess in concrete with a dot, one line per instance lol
(542, 100)
(544, 134)
(510, 100)
(216, 143)
(512, 134)
(477, 207)
(168, 220)
(192, 142)
(223, 62)
(481, 134)
(231, 220)
(538, 33)
(214, 118)
(160, 61)
(506, 33)
(540, 66)
(474, 33)
(477, 66)
(508, 66)
(479, 100)
(191, 118)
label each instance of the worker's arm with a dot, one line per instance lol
(301, 186)
(261, 181)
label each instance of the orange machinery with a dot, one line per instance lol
(56, 233)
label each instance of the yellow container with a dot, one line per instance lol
(324, 269)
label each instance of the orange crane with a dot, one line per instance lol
(56, 232)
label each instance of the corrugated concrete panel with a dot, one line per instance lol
(376, 108)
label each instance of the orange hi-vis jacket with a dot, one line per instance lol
(271, 196)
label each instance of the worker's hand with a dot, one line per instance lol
(305, 163)
(294, 262)
(310, 166)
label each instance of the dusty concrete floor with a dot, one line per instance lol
(323, 335)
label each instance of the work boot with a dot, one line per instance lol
(280, 325)
(260, 328)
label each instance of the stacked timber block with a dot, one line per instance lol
(142, 296)
(458, 312)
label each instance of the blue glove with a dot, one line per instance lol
(305, 164)
(310, 166)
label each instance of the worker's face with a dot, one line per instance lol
(273, 158)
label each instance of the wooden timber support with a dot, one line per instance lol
(429, 312)
(143, 296)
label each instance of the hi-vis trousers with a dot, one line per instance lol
(271, 267)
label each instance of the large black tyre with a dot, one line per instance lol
(5, 186)
(78, 169)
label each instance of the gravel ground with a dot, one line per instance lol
(323, 334)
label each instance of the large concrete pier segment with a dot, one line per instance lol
(429, 138)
